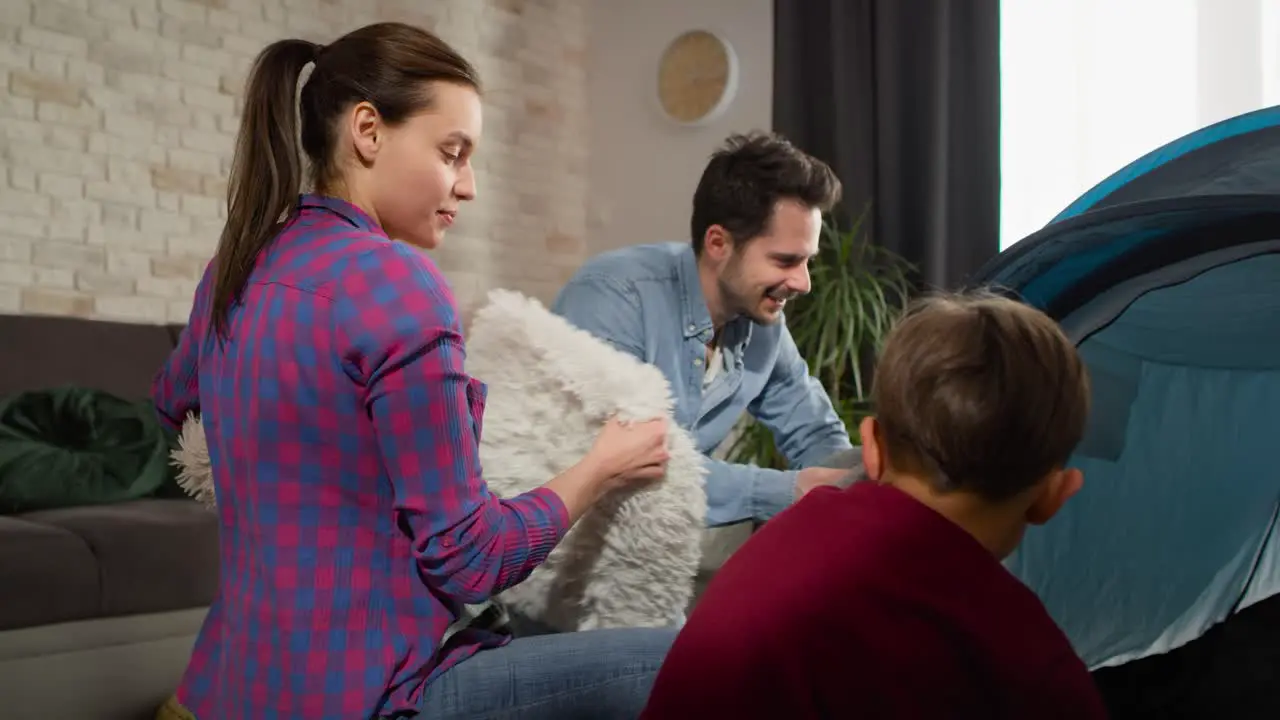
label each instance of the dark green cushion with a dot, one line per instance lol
(71, 446)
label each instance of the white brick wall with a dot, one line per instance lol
(117, 120)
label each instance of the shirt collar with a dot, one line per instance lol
(697, 319)
(343, 209)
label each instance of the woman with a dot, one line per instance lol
(327, 362)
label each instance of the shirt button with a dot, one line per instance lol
(697, 362)
(692, 328)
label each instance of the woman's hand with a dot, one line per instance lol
(623, 455)
(629, 453)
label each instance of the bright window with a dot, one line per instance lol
(1088, 86)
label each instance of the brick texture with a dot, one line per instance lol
(117, 123)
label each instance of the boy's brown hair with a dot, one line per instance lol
(980, 393)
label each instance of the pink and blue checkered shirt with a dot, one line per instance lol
(343, 436)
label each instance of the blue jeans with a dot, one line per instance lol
(593, 675)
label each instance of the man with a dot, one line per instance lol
(709, 314)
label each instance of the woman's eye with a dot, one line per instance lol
(452, 157)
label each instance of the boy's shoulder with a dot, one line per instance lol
(857, 589)
(892, 568)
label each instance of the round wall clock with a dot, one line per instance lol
(697, 77)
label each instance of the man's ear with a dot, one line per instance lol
(1056, 490)
(872, 452)
(717, 243)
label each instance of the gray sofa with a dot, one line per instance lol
(99, 606)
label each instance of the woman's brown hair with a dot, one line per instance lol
(389, 65)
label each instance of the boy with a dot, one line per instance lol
(888, 599)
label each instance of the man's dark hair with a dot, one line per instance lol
(981, 393)
(747, 177)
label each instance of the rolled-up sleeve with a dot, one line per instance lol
(399, 334)
(796, 407)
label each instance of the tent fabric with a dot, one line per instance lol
(1167, 276)
(1071, 261)
(1181, 491)
(1239, 155)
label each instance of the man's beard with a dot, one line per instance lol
(745, 301)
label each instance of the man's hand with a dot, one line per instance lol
(813, 477)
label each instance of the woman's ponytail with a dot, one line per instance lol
(266, 171)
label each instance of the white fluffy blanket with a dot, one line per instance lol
(632, 560)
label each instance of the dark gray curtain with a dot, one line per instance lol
(902, 98)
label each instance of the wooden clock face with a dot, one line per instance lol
(695, 76)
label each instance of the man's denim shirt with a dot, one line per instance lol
(647, 301)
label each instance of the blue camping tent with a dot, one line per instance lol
(1167, 275)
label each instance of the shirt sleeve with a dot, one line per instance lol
(611, 311)
(397, 328)
(608, 309)
(175, 390)
(796, 407)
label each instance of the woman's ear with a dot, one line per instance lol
(872, 452)
(364, 126)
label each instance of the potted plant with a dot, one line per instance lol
(858, 290)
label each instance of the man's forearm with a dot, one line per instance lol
(745, 492)
(818, 445)
(849, 459)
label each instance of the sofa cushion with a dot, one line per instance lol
(175, 333)
(70, 446)
(152, 555)
(41, 352)
(47, 574)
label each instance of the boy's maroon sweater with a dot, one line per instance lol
(864, 603)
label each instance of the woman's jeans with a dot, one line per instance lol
(593, 675)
